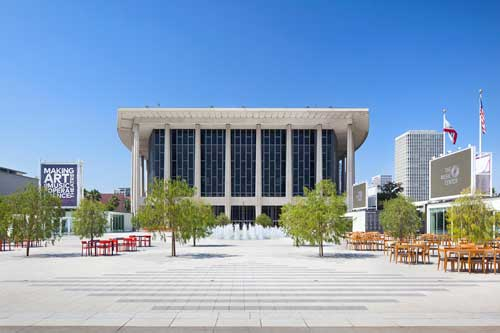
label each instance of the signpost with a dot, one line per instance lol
(63, 180)
(359, 196)
(451, 174)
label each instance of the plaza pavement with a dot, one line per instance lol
(238, 286)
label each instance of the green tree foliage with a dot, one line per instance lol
(317, 218)
(163, 208)
(222, 219)
(400, 218)
(198, 221)
(36, 215)
(264, 220)
(113, 203)
(5, 217)
(127, 205)
(92, 195)
(89, 219)
(388, 191)
(470, 218)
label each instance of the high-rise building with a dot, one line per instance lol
(413, 151)
(381, 180)
(243, 161)
(125, 191)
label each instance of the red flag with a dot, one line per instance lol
(447, 128)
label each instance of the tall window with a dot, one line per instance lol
(243, 214)
(213, 156)
(304, 160)
(182, 146)
(156, 155)
(243, 163)
(328, 141)
(273, 163)
(217, 210)
(273, 212)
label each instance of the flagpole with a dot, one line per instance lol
(444, 133)
(480, 127)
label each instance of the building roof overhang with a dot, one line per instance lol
(330, 118)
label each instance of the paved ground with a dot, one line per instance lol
(231, 286)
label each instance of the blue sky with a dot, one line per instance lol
(66, 66)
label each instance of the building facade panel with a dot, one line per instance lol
(243, 162)
(182, 155)
(329, 142)
(304, 160)
(213, 156)
(156, 155)
(273, 163)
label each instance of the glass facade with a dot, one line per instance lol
(182, 154)
(243, 162)
(213, 156)
(117, 222)
(304, 160)
(273, 163)
(328, 142)
(438, 221)
(273, 212)
(156, 155)
(217, 210)
(243, 214)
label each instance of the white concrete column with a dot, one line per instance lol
(166, 153)
(289, 163)
(197, 160)
(258, 170)
(319, 154)
(227, 178)
(142, 191)
(350, 166)
(136, 168)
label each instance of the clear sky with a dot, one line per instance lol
(66, 66)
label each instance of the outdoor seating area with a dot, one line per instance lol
(366, 241)
(469, 257)
(459, 256)
(113, 246)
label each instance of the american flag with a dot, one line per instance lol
(481, 115)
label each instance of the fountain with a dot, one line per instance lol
(248, 232)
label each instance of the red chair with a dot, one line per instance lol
(146, 240)
(85, 247)
(103, 247)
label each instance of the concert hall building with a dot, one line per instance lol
(243, 161)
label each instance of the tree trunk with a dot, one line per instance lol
(194, 240)
(173, 243)
(321, 247)
(28, 248)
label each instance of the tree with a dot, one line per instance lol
(318, 217)
(388, 191)
(126, 204)
(113, 203)
(163, 208)
(92, 195)
(36, 215)
(222, 219)
(198, 220)
(89, 219)
(5, 218)
(400, 217)
(469, 217)
(264, 220)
